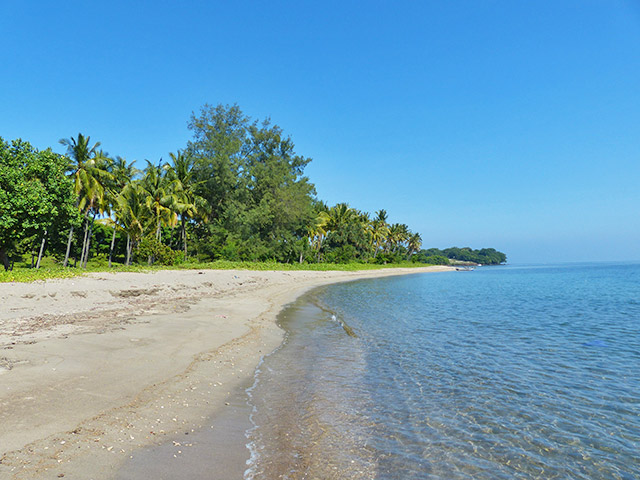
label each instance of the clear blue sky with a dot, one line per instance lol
(512, 124)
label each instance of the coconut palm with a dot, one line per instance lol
(398, 234)
(317, 231)
(98, 203)
(379, 234)
(89, 176)
(414, 242)
(379, 231)
(339, 216)
(189, 204)
(122, 175)
(132, 214)
(161, 198)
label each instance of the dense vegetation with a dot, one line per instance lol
(236, 192)
(485, 256)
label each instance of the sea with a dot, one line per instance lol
(504, 372)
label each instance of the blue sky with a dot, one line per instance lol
(511, 124)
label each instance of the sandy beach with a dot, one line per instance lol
(128, 375)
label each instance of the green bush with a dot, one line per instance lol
(435, 260)
(159, 253)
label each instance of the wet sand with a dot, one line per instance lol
(138, 375)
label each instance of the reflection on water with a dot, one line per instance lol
(500, 373)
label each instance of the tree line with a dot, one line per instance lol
(237, 191)
(484, 256)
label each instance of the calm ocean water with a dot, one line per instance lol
(501, 373)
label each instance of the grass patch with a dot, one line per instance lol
(22, 273)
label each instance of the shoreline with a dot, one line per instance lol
(95, 370)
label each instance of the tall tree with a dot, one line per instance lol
(36, 198)
(189, 204)
(132, 214)
(99, 202)
(122, 173)
(414, 242)
(260, 202)
(380, 231)
(160, 197)
(317, 231)
(219, 149)
(88, 178)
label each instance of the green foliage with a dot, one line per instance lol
(236, 193)
(485, 256)
(252, 179)
(151, 247)
(35, 196)
(23, 275)
(432, 259)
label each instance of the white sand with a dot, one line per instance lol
(93, 369)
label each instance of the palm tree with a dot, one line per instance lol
(339, 216)
(160, 197)
(381, 215)
(379, 231)
(317, 231)
(97, 203)
(189, 203)
(132, 214)
(398, 234)
(88, 180)
(414, 242)
(122, 175)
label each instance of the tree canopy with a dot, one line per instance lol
(36, 195)
(236, 191)
(484, 256)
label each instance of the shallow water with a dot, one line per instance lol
(504, 372)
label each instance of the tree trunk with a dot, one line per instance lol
(86, 253)
(86, 257)
(184, 237)
(84, 240)
(151, 259)
(66, 255)
(113, 242)
(128, 260)
(4, 258)
(44, 239)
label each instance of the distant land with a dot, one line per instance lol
(484, 256)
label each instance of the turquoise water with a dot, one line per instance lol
(504, 372)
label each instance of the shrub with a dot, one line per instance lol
(160, 254)
(435, 260)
